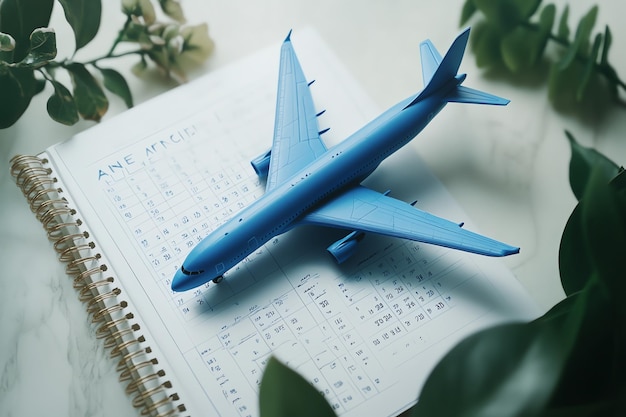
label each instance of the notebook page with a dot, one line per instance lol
(157, 179)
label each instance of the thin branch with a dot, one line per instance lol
(120, 36)
(95, 61)
(605, 70)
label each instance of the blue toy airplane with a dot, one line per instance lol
(310, 184)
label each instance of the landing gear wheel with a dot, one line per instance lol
(218, 279)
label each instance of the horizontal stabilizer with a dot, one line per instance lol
(462, 94)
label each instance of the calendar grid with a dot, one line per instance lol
(327, 328)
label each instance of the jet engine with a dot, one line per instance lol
(344, 248)
(261, 164)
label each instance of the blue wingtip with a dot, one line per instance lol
(512, 251)
(509, 250)
(288, 38)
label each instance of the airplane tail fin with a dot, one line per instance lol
(442, 73)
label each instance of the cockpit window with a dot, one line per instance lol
(186, 272)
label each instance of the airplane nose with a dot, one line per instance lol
(179, 282)
(185, 279)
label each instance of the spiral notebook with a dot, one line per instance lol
(124, 201)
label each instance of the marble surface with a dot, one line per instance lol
(508, 169)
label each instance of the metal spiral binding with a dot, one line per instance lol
(102, 298)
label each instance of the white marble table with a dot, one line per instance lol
(508, 169)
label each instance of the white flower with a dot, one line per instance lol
(198, 45)
(143, 8)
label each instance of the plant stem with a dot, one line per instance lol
(120, 36)
(64, 63)
(95, 61)
(604, 69)
(109, 54)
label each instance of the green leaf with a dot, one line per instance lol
(116, 83)
(284, 393)
(619, 182)
(498, 13)
(507, 14)
(43, 48)
(582, 162)
(469, 9)
(18, 86)
(591, 341)
(563, 309)
(564, 31)
(560, 82)
(522, 47)
(583, 32)
(485, 41)
(546, 21)
(589, 67)
(508, 370)
(39, 86)
(516, 52)
(612, 80)
(19, 18)
(90, 100)
(610, 72)
(61, 106)
(505, 371)
(575, 264)
(84, 18)
(527, 8)
(7, 45)
(608, 40)
(604, 224)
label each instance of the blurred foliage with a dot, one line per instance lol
(513, 35)
(568, 362)
(28, 51)
(285, 393)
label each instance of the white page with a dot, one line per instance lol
(152, 182)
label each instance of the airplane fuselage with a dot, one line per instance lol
(310, 184)
(344, 165)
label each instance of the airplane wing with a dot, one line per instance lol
(366, 210)
(297, 139)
